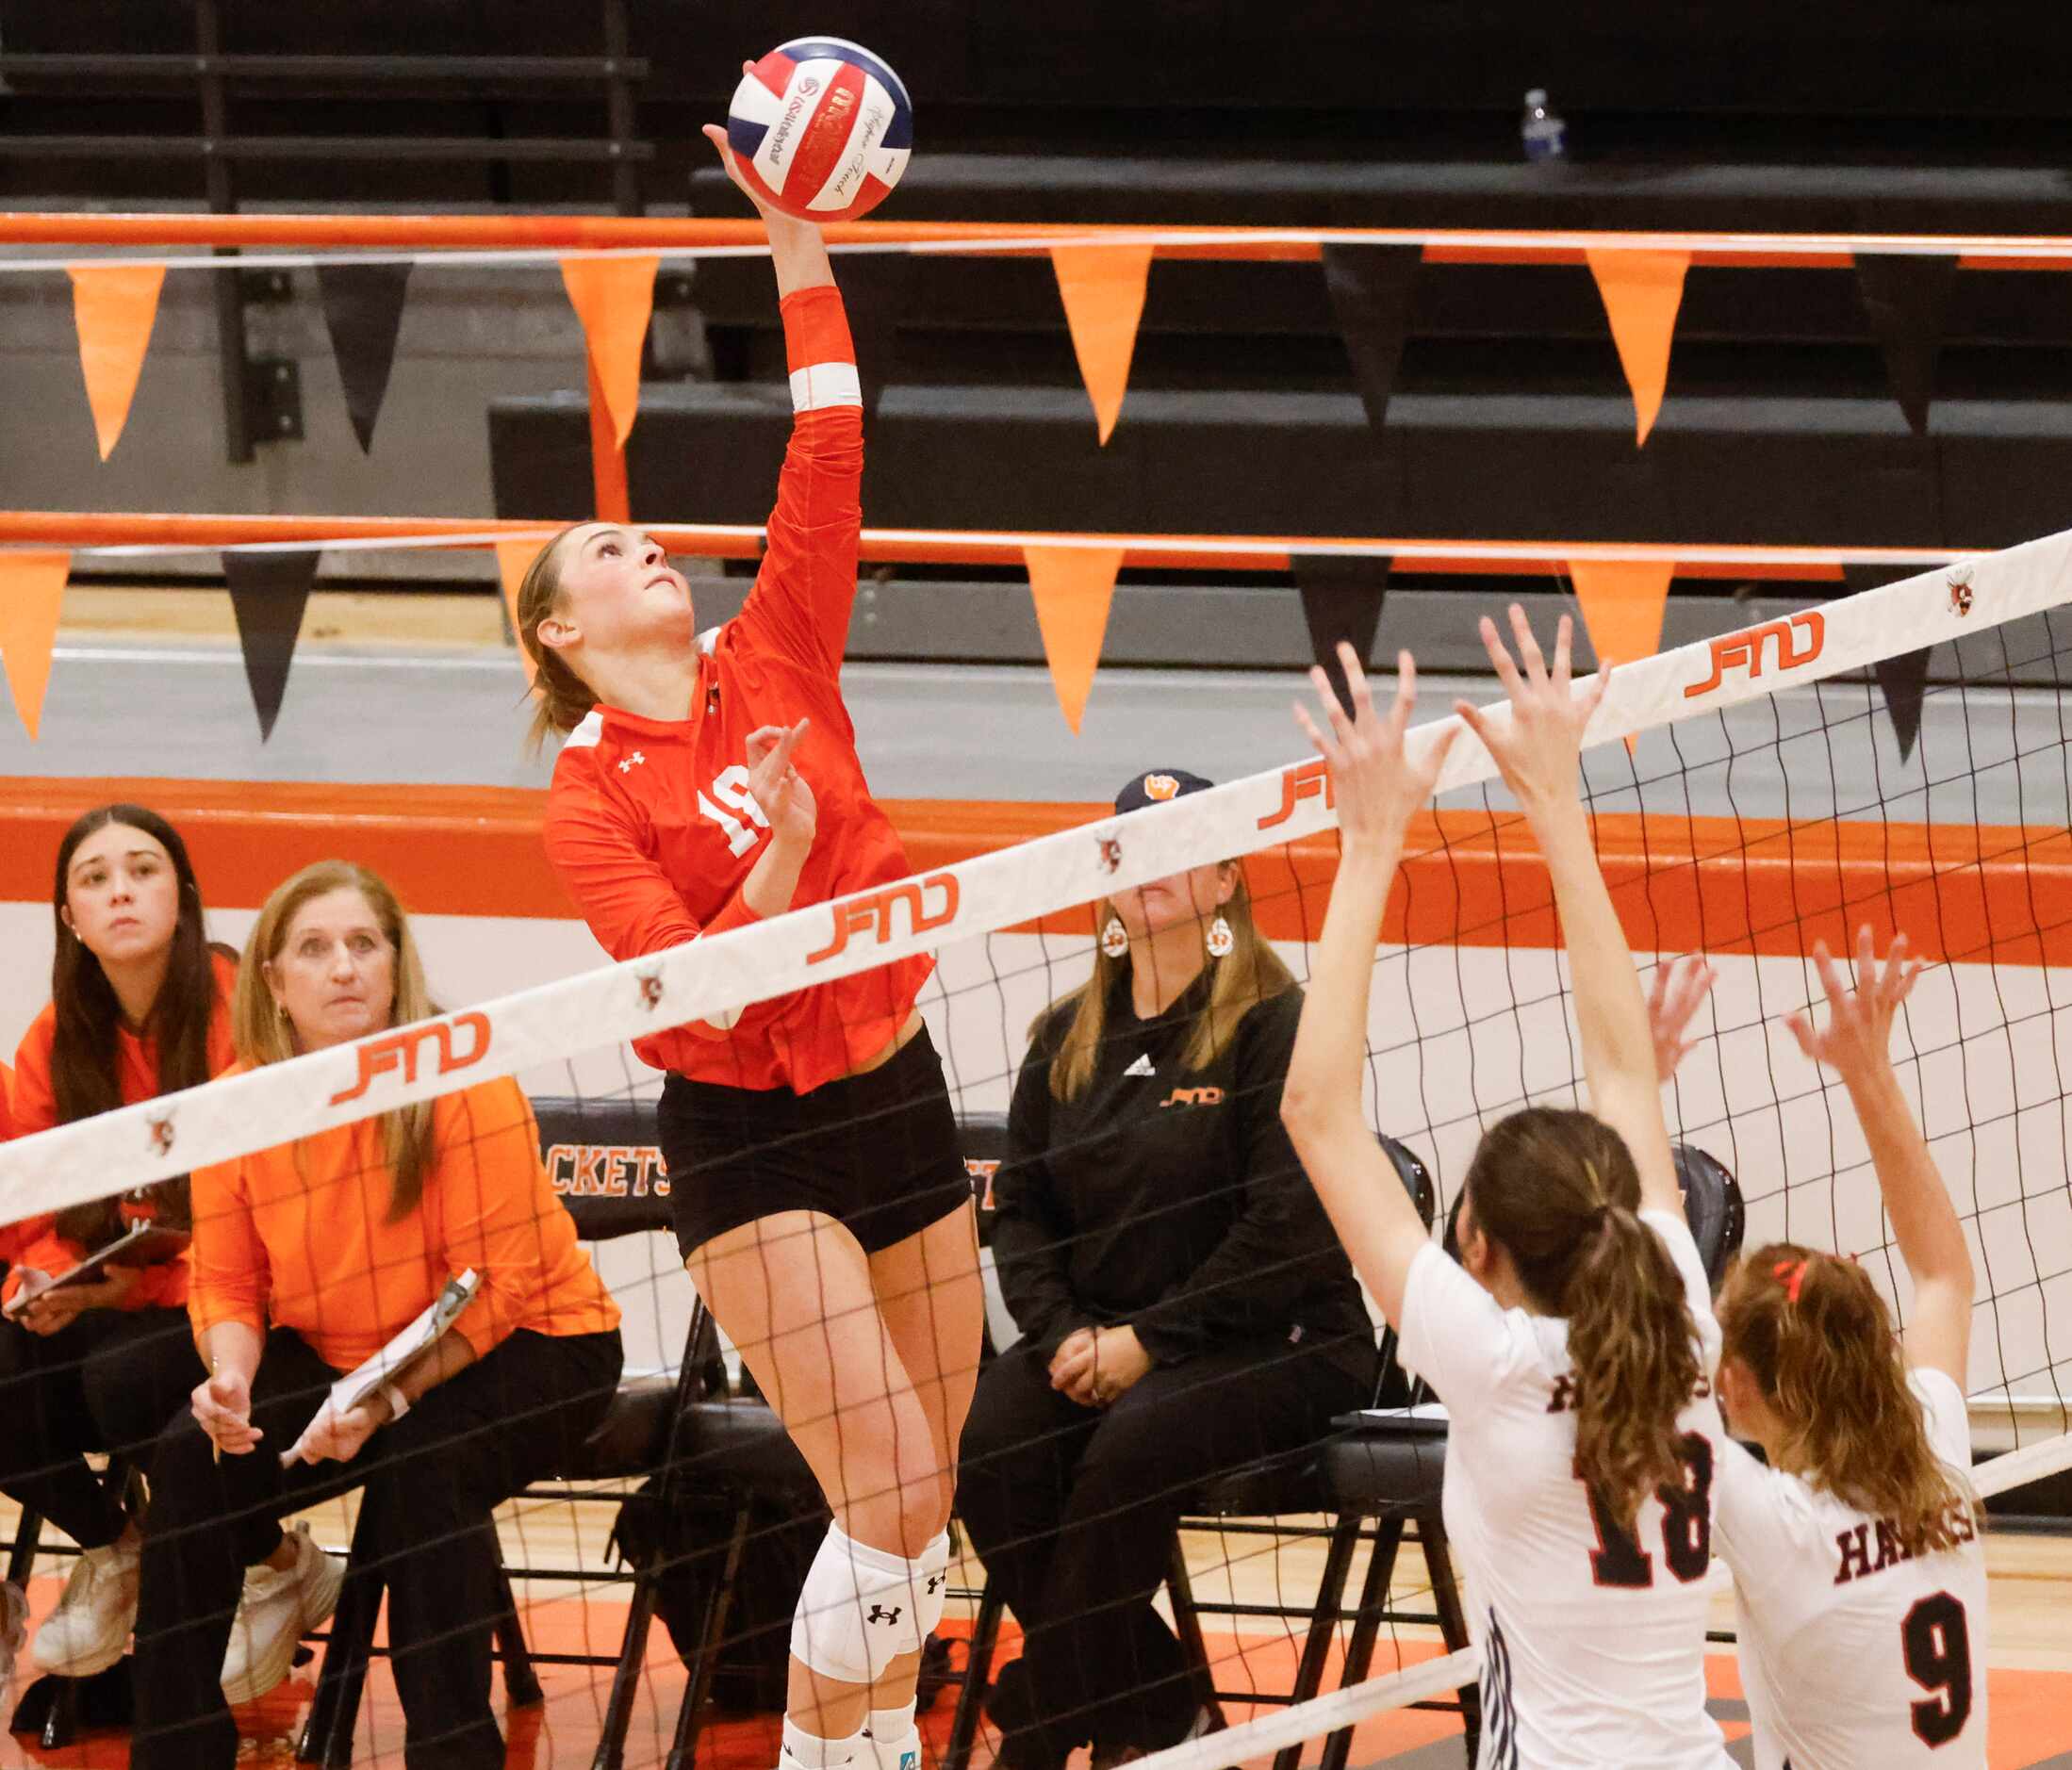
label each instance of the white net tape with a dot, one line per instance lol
(711, 978)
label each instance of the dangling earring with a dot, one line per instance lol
(1115, 938)
(1221, 940)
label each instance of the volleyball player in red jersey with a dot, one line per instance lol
(821, 1202)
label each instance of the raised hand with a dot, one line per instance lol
(1680, 986)
(777, 787)
(1541, 751)
(1858, 1034)
(1376, 787)
(717, 134)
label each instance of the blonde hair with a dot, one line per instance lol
(1814, 1333)
(1248, 974)
(1558, 1190)
(264, 1034)
(562, 699)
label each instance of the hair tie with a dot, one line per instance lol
(1791, 1274)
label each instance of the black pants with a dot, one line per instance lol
(1072, 1511)
(108, 1382)
(430, 1480)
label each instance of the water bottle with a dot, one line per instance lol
(1542, 131)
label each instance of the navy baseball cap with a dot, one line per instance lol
(1155, 786)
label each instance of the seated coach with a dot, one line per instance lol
(1184, 1307)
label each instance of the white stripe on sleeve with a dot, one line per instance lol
(818, 386)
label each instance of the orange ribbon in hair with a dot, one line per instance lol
(1791, 1274)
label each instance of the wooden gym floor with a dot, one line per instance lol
(2030, 1658)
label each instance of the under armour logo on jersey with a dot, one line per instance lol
(1142, 1067)
(935, 1584)
(879, 1614)
(631, 763)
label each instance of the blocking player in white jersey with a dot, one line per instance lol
(1858, 1569)
(1571, 1342)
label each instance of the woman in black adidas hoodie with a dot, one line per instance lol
(1184, 1307)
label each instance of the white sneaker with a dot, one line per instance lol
(277, 1610)
(89, 1630)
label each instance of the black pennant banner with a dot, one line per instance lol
(875, 289)
(1903, 678)
(363, 308)
(268, 592)
(1907, 299)
(1370, 289)
(1341, 598)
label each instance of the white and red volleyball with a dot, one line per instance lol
(821, 128)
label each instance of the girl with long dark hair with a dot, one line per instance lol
(138, 1008)
(1571, 1342)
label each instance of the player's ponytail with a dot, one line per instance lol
(561, 698)
(1634, 1345)
(1813, 1332)
(1557, 1190)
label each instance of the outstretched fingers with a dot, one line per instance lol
(1528, 645)
(1500, 658)
(1326, 746)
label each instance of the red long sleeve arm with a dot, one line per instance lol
(807, 585)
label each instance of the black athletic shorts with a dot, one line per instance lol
(878, 1152)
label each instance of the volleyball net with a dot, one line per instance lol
(1760, 802)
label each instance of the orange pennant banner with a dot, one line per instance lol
(1072, 587)
(32, 591)
(1622, 602)
(1102, 287)
(1642, 291)
(513, 557)
(114, 308)
(613, 299)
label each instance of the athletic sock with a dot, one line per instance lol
(893, 1739)
(802, 1750)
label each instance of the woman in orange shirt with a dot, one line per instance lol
(139, 1006)
(308, 1259)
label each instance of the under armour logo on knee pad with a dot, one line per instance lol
(879, 1614)
(935, 1584)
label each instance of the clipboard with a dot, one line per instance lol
(406, 1349)
(145, 1244)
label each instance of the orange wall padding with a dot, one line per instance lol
(1710, 884)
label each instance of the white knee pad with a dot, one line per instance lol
(860, 1609)
(931, 1572)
